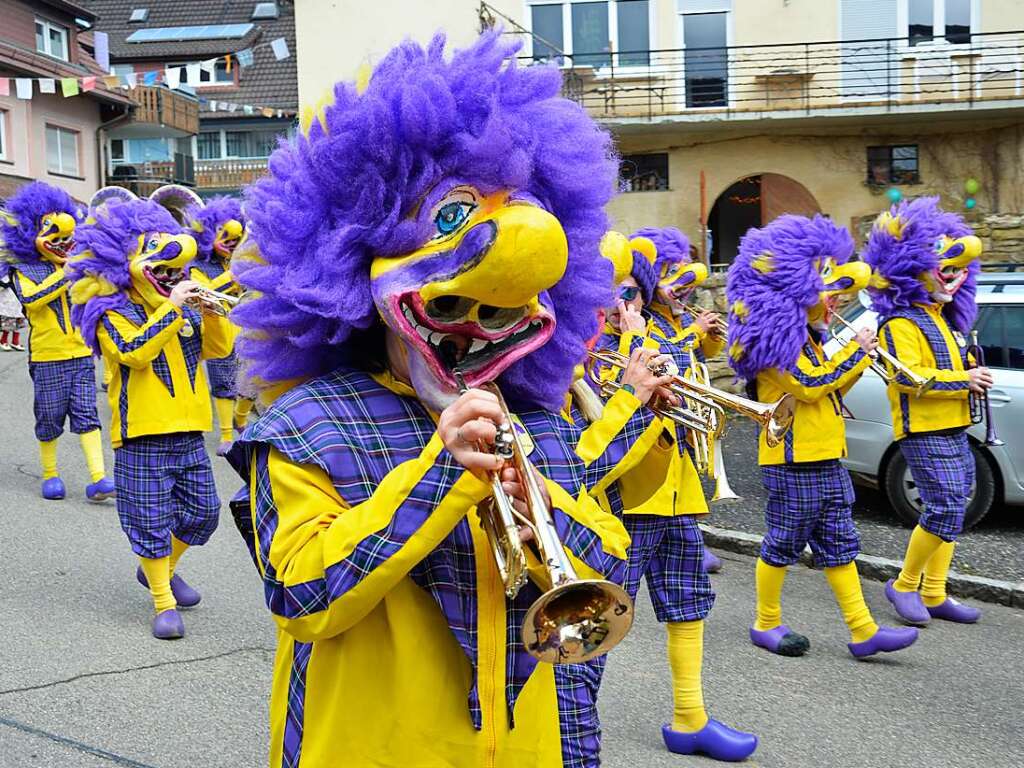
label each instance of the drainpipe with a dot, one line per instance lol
(101, 132)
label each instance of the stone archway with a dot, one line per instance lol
(753, 201)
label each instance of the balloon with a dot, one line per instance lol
(971, 186)
(969, 203)
(894, 195)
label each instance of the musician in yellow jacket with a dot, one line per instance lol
(926, 261)
(131, 304)
(37, 232)
(782, 289)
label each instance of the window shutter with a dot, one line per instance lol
(703, 6)
(866, 75)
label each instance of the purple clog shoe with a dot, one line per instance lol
(781, 640)
(885, 640)
(712, 563)
(908, 605)
(184, 595)
(101, 490)
(53, 489)
(951, 610)
(716, 740)
(167, 625)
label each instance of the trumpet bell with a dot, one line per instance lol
(577, 621)
(778, 420)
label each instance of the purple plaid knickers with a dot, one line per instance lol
(65, 390)
(943, 470)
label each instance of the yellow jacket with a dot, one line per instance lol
(42, 290)
(668, 467)
(157, 385)
(670, 327)
(818, 384)
(357, 527)
(922, 340)
(217, 278)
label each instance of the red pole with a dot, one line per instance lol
(704, 255)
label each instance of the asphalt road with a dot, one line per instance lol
(82, 684)
(994, 548)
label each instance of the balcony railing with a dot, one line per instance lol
(228, 174)
(143, 178)
(161, 106)
(879, 75)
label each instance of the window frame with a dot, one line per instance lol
(938, 41)
(626, 157)
(285, 131)
(986, 311)
(62, 171)
(3, 135)
(48, 26)
(613, 32)
(890, 180)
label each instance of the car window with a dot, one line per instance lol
(1001, 335)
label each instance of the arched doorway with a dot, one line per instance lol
(753, 201)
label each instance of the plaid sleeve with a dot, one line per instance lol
(325, 564)
(32, 294)
(615, 443)
(137, 346)
(595, 540)
(809, 382)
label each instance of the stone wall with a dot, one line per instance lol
(711, 295)
(1001, 233)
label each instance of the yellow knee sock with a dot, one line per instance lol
(933, 586)
(48, 458)
(243, 407)
(158, 574)
(178, 548)
(919, 551)
(845, 585)
(685, 658)
(225, 417)
(769, 579)
(92, 447)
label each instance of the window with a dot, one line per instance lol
(117, 150)
(592, 32)
(61, 150)
(706, 59)
(208, 145)
(138, 16)
(1001, 335)
(893, 165)
(254, 144)
(931, 20)
(265, 11)
(219, 76)
(3, 134)
(643, 173)
(52, 39)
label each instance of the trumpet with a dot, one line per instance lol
(577, 619)
(881, 359)
(981, 406)
(209, 300)
(707, 453)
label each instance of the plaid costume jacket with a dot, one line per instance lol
(681, 330)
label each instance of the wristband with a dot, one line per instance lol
(629, 388)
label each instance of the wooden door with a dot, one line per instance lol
(781, 194)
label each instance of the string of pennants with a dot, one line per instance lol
(172, 77)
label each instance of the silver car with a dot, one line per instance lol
(874, 457)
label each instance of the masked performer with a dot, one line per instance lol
(217, 227)
(36, 234)
(927, 260)
(667, 547)
(442, 216)
(130, 304)
(688, 336)
(782, 289)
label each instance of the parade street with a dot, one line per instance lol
(82, 682)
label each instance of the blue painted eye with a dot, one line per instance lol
(152, 244)
(940, 244)
(451, 216)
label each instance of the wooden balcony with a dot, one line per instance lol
(155, 105)
(228, 175)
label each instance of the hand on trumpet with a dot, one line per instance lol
(512, 484)
(710, 322)
(867, 339)
(468, 428)
(640, 374)
(183, 292)
(980, 380)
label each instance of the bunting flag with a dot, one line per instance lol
(245, 58)
(150, 78)
(227, 61)
(23, 85)
(172, 76)
(69, 86)
(193, 75)
(89, 83)
(5, 86)
(47, 85)
(280, 48)
(131, 79)
(112, 81)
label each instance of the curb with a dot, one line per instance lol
(877, 568)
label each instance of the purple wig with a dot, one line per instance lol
(28, 205)
(343, 194)
(771, 286)
(102, 250)
(208, 219)
(901, 260)
(673, 246)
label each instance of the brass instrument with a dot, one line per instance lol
(577, 619)
(981, 406)
(608, 387)
(707, 453)
(209, 300)
(881, 358)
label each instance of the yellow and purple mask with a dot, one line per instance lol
(955, 256)
(55, 238)
(158, 264)
(838, 281)
(472, 298)
(229, 234)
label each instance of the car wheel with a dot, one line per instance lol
(905, 498)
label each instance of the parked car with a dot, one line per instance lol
(874, 457)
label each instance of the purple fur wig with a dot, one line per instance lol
(673, 246)
(103, 248)
(29, 204)
(210, 217)
(773, 326)
(901, 261)
(335, 199)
